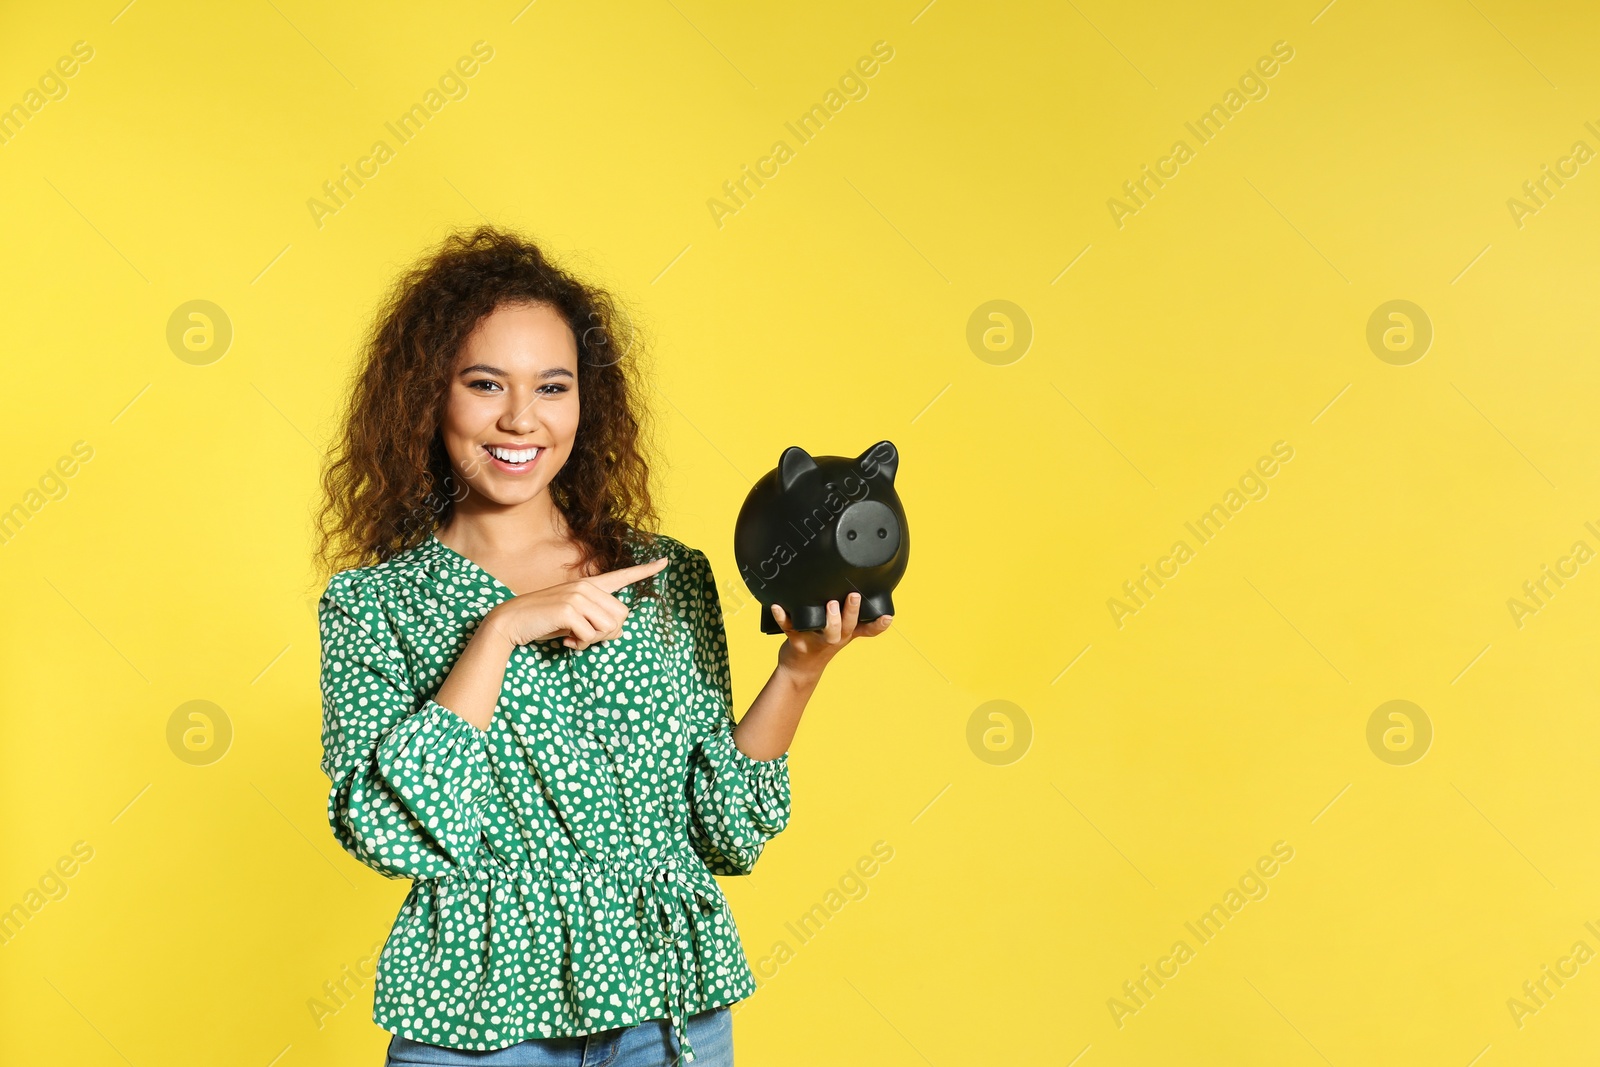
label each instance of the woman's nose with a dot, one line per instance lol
(519, 417)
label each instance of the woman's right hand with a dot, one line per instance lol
(583, 612)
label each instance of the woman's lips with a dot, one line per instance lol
(513, 468)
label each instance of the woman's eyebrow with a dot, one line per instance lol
(484, 368)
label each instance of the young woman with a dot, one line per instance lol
(559, 774)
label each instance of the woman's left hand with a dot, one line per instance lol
(808, 651)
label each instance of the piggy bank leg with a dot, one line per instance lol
(873, 606)
(810, 617)
(801, 617)
(769, 625)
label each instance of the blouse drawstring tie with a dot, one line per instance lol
(662, 890)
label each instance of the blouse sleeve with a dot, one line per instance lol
(737, 803)
(409, 776)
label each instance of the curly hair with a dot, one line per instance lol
(389, 484)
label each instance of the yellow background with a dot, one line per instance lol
(831, 311)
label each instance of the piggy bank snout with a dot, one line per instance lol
(867, 534)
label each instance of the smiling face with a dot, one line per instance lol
(512, 412)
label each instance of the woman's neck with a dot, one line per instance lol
(501, 532)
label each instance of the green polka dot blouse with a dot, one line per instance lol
(562, 861)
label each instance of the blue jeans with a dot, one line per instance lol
(649, 1044)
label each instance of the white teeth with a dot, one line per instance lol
(508, 456)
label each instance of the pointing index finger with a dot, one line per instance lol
(611, 581)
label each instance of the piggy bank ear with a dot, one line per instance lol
(794, 462)
(880, 458)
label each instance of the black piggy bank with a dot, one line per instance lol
(818, 527)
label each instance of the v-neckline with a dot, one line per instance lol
(624, 594)
(472, 564)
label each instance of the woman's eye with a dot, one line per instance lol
(552, 389)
